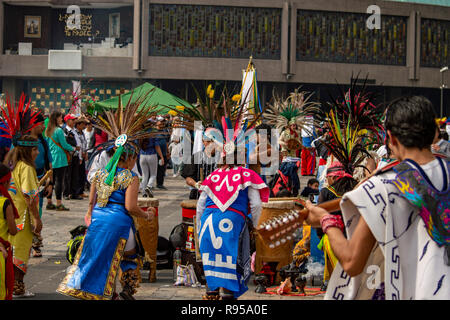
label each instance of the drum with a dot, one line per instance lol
(189, 252)
(188, 211)
(282, 254)
(148, 232)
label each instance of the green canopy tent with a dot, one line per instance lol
(157, 97)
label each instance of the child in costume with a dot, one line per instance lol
(20, 120)
(8, 214)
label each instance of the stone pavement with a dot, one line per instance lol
(45, 273)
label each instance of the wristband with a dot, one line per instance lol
(331, 221)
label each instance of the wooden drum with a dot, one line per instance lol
(148, 232)
(281, 254)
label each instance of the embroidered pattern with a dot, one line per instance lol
(418, 192)
(377, 199)
(395, 274)
(340, 295)
(109, 287)
(121, 181)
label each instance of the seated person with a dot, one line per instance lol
(311, 189)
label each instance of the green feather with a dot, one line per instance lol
(111, 167)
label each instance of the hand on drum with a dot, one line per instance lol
(150, 213)
(315, 214)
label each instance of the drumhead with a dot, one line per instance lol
(189, 204)
(148, 202)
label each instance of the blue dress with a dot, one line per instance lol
(93, 273)
(219, 237)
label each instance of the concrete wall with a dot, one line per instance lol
(152, 67)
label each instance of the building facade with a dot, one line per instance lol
(117, 45)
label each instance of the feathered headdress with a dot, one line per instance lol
(125, 127)
(225, 119)
(295, 109)
(358, 107)
(354, 123)
(19, 119)
(344, 143)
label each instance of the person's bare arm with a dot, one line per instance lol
(92, 201)
(352, 253)
(131, 202)
(11, 222)
(32, 204)
(191, 182)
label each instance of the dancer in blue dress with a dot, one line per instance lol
(110, 240)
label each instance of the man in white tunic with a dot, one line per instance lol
(398, 221)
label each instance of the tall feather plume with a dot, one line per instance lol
(359, 107)
(344, 142)
(19, 118)
(131, 119)
(298, 106)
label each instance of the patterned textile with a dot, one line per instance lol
(234, 180)
(24, 182)
(302, 249)
(413, 263)
(434, 206)
(224, 241)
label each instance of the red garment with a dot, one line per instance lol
(6, 194)
(100, 138)
(308, 164)
(9, 270)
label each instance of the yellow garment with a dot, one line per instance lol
(24, 181)
(302, 249)
(2, 277)
(330, 258)
(3, 223)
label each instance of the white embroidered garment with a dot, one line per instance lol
(414, 266)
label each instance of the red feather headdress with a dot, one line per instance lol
(19, 119)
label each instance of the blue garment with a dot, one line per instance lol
(161, 141)
(149, 147)
(40, 160)
(4, 142)
(219, 245)
(316, 253)
(94, 273)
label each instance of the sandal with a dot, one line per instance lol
(37, 253)
(50, 206)
(26, 294)
(62, 208)
(20, 292)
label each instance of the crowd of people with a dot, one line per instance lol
(77, 157)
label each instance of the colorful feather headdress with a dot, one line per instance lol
(225, 120)
(359, 108)
(297, 108)
(354, 123)
(19, 119)
(125, 127)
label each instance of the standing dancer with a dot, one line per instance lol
(20, 120)
(110, 240)
(229, 197)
